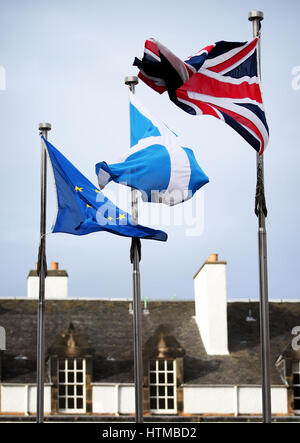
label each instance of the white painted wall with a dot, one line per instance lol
(211, 307)
(120, 398)
(55, 287)
(113, 398)
(104, 401)
(250, 400)
(205, 400)
(126, 400)
(237, 400)
(21, 398)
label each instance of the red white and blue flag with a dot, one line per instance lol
(219, 80)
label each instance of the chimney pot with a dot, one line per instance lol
(54, 266)
(213, 258)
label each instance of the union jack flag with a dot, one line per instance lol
(219, 80)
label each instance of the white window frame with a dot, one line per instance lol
(296, 371)
(75, 383)
(165, 384)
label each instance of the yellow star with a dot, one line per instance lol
(97, 190)
(78, 189)
(108, 218)
(88, 206)
(121, 216)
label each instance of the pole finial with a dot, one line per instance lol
(45, 126)
(131, 80)
(255, 15)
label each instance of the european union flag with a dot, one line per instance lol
(83, 208)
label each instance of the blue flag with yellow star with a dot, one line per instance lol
(83, 208)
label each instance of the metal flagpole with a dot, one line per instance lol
(135, 257)
(261, 211)
(42, 272)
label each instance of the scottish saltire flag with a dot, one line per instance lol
(158, 163)
(83, 208)
(220, 80)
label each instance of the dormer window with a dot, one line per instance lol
(70, 365)
(162, 386)
(71, 385)
(296, 386)
(163, 373)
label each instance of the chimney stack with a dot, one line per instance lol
(56, 283)
(211, 305)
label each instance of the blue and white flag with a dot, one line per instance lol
(158, 163)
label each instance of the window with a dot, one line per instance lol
(71, 385)
(296, 385)
(162, 386)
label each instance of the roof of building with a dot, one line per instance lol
(50, 273)
(105, 328)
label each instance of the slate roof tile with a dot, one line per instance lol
(107, 327)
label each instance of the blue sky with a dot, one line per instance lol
(65, 63)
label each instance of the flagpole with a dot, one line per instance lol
(42, 271)
(261, 211)
(135, 257)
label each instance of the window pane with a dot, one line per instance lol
(161, 365)
(71, 390)
(70, 403)
(297, 392)
(70, 364)
(297, 404)
(70, 377)
(79, 363)
(170, 365)
(61, 377)
(79, 403)
(79, 390)
(170, 403)
(62, 403)
(152, 391)
(152, 365)
(161, 391)
(79, 377)
(153, 377)
(161, 403)
(61, 390)
(153, 403)
(161, 377)
(61, 363)
(170, 391)
(170, 377)
(296, 379)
